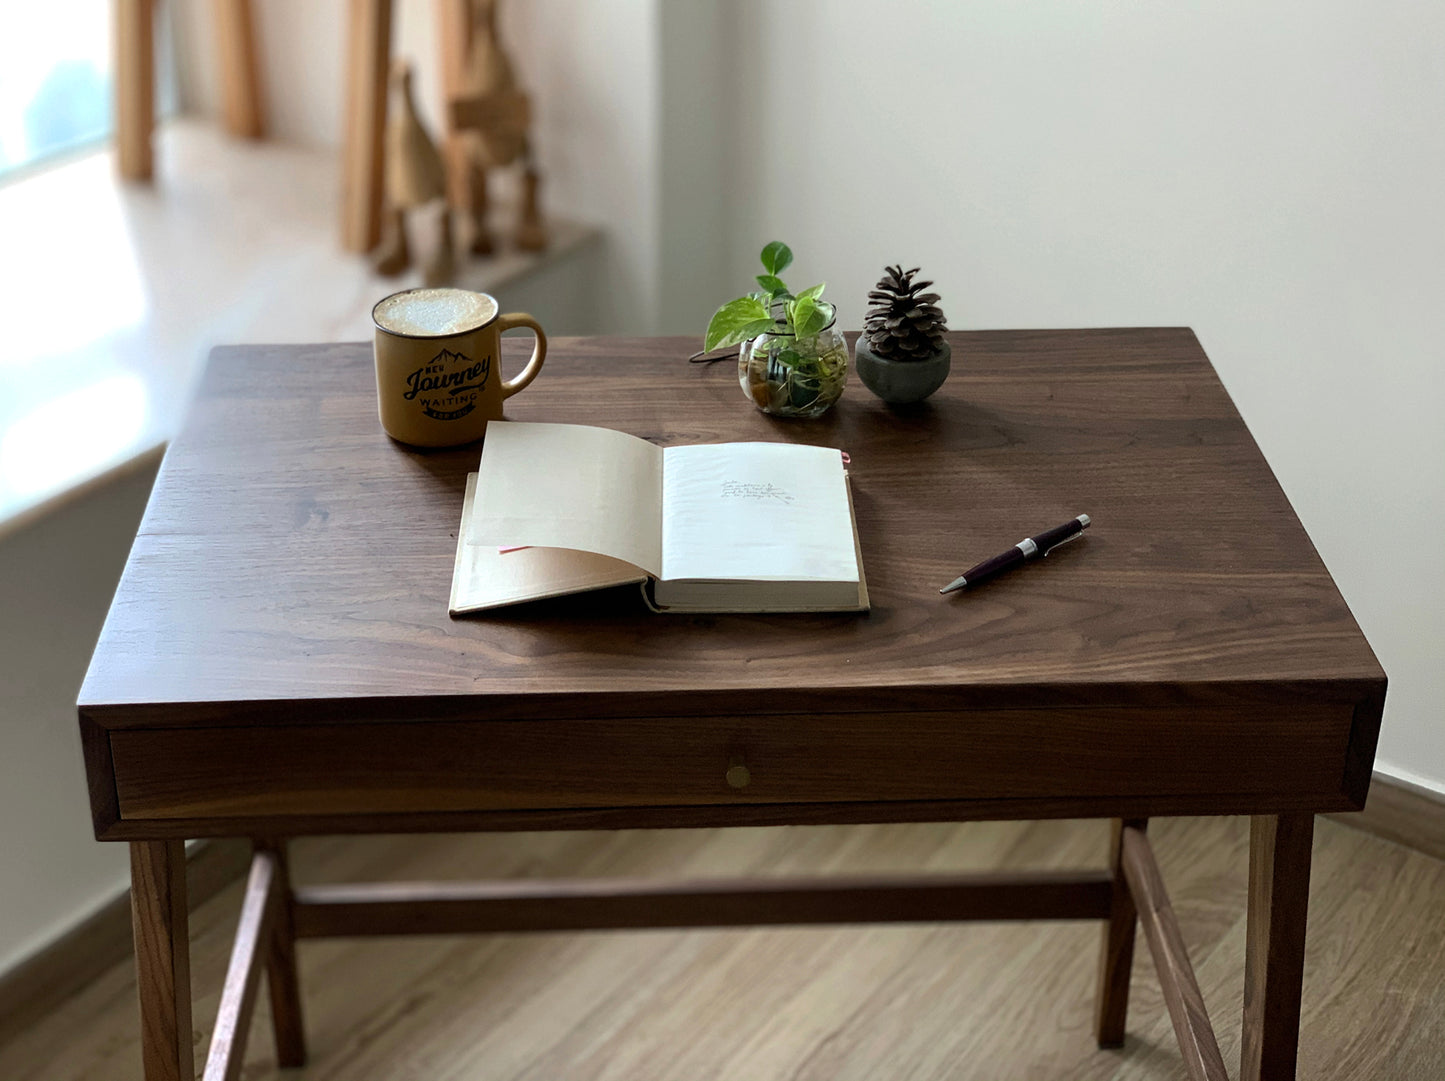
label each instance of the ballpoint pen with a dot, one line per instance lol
(1020, 553)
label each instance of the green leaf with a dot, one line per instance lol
(772, 283)
(815, 292)
(776, 257)
(811, 319)
(821, 318)
(799, 311)
(736, 321)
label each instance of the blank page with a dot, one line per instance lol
(756, 511)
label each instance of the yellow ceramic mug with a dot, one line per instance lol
(438, 364)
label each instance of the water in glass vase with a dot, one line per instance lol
(788, 376)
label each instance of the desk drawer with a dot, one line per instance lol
(667, 761)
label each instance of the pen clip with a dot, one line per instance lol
(1063, 542)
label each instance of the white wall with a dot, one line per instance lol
(593, 74)
(57, 576)
(698, 136)
(1269, 174)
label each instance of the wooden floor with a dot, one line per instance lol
(994, 1002)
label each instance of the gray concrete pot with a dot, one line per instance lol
(899, 382)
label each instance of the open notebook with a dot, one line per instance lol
(724, 527)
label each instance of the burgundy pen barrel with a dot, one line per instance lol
(1052, 538)
(1022, 552)
(990, 568)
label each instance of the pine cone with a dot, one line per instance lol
(903, 322)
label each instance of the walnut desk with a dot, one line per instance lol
(278, 661)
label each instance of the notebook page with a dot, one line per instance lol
(570, 486)
(756, 511)
(486, 577)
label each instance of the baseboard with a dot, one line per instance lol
(58, 970)
(1401, 813)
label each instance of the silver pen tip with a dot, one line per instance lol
(957, 583)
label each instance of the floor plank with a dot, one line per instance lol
(997, 1002)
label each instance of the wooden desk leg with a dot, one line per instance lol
(281, 967)
(1116, 953)
(1279, 884)
(162, 958)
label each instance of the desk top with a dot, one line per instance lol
(294, 562)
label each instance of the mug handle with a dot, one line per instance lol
(511, 321)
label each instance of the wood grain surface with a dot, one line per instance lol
(293, 566)
(160, 915)
(281, 977)
(1116, 945)
(1280, 848)
(243, 975)
(1182, 997)
(293, 553)
(672, 761)
(452, 908)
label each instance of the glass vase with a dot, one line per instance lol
(792, 377)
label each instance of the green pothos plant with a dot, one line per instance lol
(772, 308)
(788, 364)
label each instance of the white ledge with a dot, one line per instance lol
(117, 291)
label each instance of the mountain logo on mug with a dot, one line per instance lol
(448, 385)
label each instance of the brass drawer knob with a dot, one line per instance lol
(738, 775)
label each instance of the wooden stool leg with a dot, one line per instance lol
(162, 958)
(281, 967)
(1116, 954)
(395, 254)
(482, 242)
(1279, 885)
(531, 234)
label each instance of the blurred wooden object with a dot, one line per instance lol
(415, 177)
(414, 173)
(135, 106)
(454, 24)
(135, 87)
(531, 233)
(368, 59)
(487, 120)
(501, 125)
(240, 69)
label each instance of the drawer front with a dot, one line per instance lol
(669, 761)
